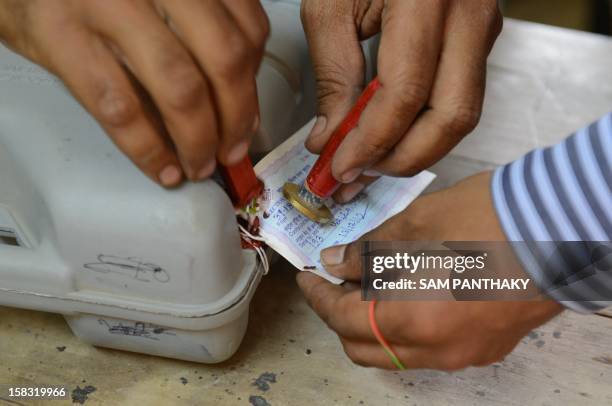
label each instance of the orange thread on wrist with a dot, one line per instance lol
(380, 338)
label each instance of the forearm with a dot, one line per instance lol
(563, 194)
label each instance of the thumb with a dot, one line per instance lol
(338, 64)
(345, 261)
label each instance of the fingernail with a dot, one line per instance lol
(333, 256)
(238, 152)
(207, 170)
(372, 173)
(351, 175)
(349, 192)
(170, 175)
(318, 128)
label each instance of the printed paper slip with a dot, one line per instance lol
(300, 240)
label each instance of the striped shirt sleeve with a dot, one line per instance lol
(555, 206)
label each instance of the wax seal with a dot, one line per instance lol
(307, 203)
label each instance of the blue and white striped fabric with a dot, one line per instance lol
(564, 194)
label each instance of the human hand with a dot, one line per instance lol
(427, 334)
(432, 67)
(171, 82)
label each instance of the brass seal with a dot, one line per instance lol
(321, 215)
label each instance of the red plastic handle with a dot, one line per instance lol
(320, 180)
(241, 182)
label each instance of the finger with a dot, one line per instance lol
(253, 21)
(346, 314)
(342, 311)
(104, 89)
(228, 59)
(348, 192)
(367, 354)
(408, 323)
(338, 63)
(345, 261)
(170, 75)
(407, 61)
(370, 354)
(456, 98)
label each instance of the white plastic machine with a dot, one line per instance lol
(130, 265)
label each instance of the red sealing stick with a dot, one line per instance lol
(320, 180)
(241, 182)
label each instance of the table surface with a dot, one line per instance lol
(543, 83)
